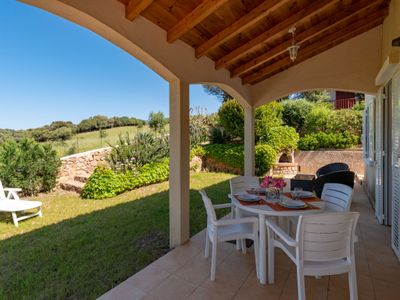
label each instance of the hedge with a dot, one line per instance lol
(322, 140)
(106, 183)
(233, 155)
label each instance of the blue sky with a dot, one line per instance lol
(52, 69)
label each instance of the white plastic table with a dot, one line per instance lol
(264, 211)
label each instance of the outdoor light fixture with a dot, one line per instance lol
(293, 49)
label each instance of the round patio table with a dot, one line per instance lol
(264, 211)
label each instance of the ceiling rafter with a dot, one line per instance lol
(342, 16)
(320, 46)
(255, 15)
(202, 11)
(269, 34)
(135, 7)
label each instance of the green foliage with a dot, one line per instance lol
(295, 113)
(268, 115)
(106, 183)
(281, 138)
(131, 154)
(265, 158)
(157, 121)
(345, 120)
(200, 125)
(217, 136)
(102, 122)
(318, 118)
(322, 140)
(217, 92)
(233, 155)
(197, 151)
(360, 106)
(28, 165)
(313, 96)
(231, 118)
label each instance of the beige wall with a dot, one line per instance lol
(391, 28)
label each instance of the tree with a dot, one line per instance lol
(231, 118)
(313, 96)
(157, 121)
(218, 92)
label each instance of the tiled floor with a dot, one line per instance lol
(184, 272)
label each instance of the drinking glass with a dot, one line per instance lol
(296, 192)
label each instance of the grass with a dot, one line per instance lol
(82, 248)
(82, 142)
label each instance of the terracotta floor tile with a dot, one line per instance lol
(149, 278)
(206, 294)
(387, 290)
(124, 291)
(173, 288)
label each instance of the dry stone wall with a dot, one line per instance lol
(81, 165)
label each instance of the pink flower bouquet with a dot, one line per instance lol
(270, 182)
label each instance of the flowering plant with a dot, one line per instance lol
(269, 182)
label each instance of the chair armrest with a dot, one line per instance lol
(282, 234)
(225, 205)
(225, 222)
(12, 189)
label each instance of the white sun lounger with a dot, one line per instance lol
(11, 203)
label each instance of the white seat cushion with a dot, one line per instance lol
(18, 205)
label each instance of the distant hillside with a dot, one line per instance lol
(64, 130)
(93, 140)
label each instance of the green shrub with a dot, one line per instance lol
(322, 140)
(265, 158)
(233, 155)
(197, 151)
(131, 154)
(281, 138)
(217, 136)
(106, 183)
(295, 113)
(231, 118)
(103, 183)
(318, 118)
(28, 165)
(345, 120)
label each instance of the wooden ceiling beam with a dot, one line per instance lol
(320, 46)
(202, 11)
(241, 24)
(269, 34)
(342, 16)
(135, 7)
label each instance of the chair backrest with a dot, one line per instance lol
(327, 236)
(337, 197)
(333, 167)
(344, 177)
(242, 183)
(2, 193)
(211, 216)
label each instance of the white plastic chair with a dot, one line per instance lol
(337, 197)
(324, 245)
(11, 203)
(227, 230)
(238, 185)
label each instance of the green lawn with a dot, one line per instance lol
(91, 140)
(82, 248)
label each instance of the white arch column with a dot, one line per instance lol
(249, 141)
(179, 163)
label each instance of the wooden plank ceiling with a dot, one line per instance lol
(250, 37)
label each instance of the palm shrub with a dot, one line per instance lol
(132, 153)
(31, 166)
